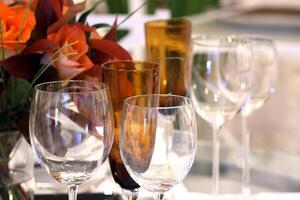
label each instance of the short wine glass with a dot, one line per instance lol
(264, 61)
(219, 81)
(158, 140)
(71, 129)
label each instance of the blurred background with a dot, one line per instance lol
(275, 128)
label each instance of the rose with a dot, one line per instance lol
(71, 59)
(8, 2)
(32, 3)
(17, 23)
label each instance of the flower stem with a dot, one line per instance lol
(22, 25)
(42, 70)
(2, 74)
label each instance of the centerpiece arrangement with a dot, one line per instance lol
(40, 41)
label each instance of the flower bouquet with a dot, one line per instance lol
(44, 40)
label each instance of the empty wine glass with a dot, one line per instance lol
(220, 78)
(265, 68)
(158, 140)
(71, 129)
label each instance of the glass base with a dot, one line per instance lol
(90, 196)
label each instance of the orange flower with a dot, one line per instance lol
(32, 3)
(13, 27)
(69, 66)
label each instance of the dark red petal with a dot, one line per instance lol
(50, 74)
(92, 74)
(110, 48)
(41, 46)
(22, 124)
(85, 28)
(112, 34)
(100, 57)
(45, 16)
(1, 88)
(70, 14)
(22, 65)
(57, 8)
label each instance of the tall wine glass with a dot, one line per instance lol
(158, 140)
(125, 79)
(265, 65)
(71, 129)
(220, 78)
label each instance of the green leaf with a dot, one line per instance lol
(121, 34)
(16, 88)
(83, 17)
(12, 103)
(101, 25)
(117, 6)
(5, 121)
(190, 7)
(152, 6)
(21, 86)
(4, 186)
(17, 193)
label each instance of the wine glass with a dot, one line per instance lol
(71, 129)
(265, 65)
(219, 80)
(125, 79)
(158, 140)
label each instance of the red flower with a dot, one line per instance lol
(69, 66)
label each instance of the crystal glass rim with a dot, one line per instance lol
(254, 38)
(168, 58)
(159, 23)
(244, 39)
(152, 66)
(203, 40)
(187, 100)
(102, 86)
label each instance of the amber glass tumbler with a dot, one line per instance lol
(168, 43)
(125, 79)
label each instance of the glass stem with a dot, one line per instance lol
(134, 195)
(158, 196)
(216, 161)
(72, 190)
(130, 194)
(246, 151)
